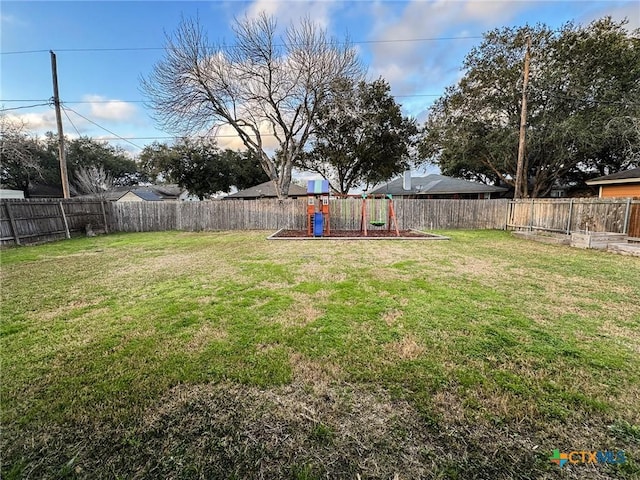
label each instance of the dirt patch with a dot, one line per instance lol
(357, 234)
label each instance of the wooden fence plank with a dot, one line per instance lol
(12, 222)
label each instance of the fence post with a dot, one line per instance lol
(64, 219)
(570, 213)
(104, 217)
(627, 217)
(12, 221)
(531, 218)
(508, 209)
(179, 215)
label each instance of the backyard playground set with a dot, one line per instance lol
(377, 219)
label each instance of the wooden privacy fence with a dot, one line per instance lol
(25, 222)
(34, 221)
(576, 214)
(265, 214)
(556, 215)
(270, 214)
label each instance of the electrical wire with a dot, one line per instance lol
(78, 102)
(227, 47)
(100, 126)
(26, 100)
(25, 106)
(71, 122)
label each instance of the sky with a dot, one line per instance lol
(103, 49)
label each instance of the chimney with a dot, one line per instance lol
(406, 180)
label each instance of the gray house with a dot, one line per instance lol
(437, 186)
(266, 190)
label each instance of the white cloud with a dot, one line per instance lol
(291, 11)
(114, 110)
(492, 12)
(427, 66)
(227, 138)
(39, 122)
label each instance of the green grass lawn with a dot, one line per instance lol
(224, 355)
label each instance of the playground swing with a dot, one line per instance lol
(381, 207)
(377, 217)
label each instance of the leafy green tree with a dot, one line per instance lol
(85, 152)
(156, 162)
(361, 136)
(27, 160)
(201, 167)
(583, 107)
(245, 169)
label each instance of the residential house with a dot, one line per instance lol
(621, 184)
(6, 194)
(266, 190)
(437, 186)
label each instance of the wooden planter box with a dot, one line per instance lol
(598, 240)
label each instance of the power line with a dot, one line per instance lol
(104, 101)
(24, 51)
(71, 122)
(25, 106)
(78, 102)
(103, 128)
(231, 135)
(25, 100)
(227, 47)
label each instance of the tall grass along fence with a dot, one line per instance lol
(34, 221)
(24, 222)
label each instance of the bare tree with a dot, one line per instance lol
(94, 180)
(18, 159)
(264, 85)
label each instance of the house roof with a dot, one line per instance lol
(45, 191)
(152, 193)
(266, 190)
(435, 185)
(146, 194)
(8, 193)
(626, 176)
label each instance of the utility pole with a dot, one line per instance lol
(521, 173)
(56, 102)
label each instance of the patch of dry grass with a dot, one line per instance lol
(409, 348)
(232, 431)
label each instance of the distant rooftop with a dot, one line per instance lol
(435, 185)
(267, 190)
(619, 177)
